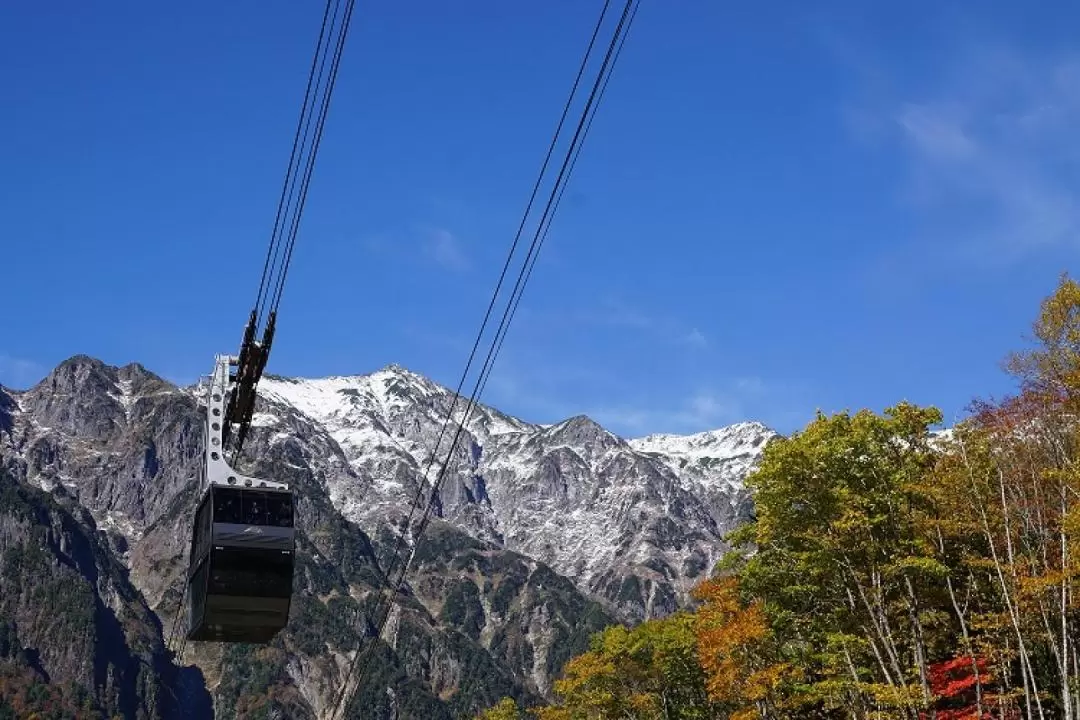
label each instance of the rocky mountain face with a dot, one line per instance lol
(541, 536)
(75, 634)
(634, 524)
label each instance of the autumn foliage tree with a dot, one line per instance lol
(1016, 460)
(737, 651)
(962, 687)
(847, 576)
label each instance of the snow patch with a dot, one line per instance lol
(261, 419)
(125, 397)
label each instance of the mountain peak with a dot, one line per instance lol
(739, 439)
(582, 429)
(630, 523)
(400, 371)
(581, 421)
(139, 376)
(78, 372)
(576, 423)
(80, 362)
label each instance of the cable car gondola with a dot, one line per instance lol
(240, 567)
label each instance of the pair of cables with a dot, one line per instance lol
(309, 130)
(362, 660)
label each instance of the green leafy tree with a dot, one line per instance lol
(847, 577)
(505, 709)
(648, 672)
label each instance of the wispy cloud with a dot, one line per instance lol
(783, 405)
(441, 340)
(619, 314)
(549, 394)
(444, 248)
(508, 392)
(695, 338)
(705, 409)
(376, 244)
(420, 242)
(616, 313)
(541, 392)
(19, 373)
(989, 152)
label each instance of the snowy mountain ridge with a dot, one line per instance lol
(633, 522)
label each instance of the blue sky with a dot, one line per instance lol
(780, 208)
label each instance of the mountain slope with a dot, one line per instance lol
(70, 617)
(634, 524)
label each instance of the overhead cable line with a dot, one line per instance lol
(320, 126)
(294, 161)
(504, 323)
(417, 500)
(558, 199)
(305, 149)
(309, 131)
(614, 49)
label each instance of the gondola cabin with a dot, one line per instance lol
(241, 564)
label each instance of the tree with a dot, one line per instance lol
(846, 576)
(956, 682)
(505, 709)
(1051, 369)
(1021, 456)
(648, 672)
(736, 650)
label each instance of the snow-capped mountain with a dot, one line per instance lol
(634, 523)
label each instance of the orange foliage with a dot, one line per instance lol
(731, 641)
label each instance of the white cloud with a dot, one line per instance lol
(708, 408)
(549, 393)
(446, 250)
(695, 338)
(419, 241)
(616, 313)
(538, 392)
(376, 244)
(937, 134)
(508, 394)
(700, 411)
(990, 154)
(442, 339)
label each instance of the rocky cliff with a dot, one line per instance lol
(632, 523)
